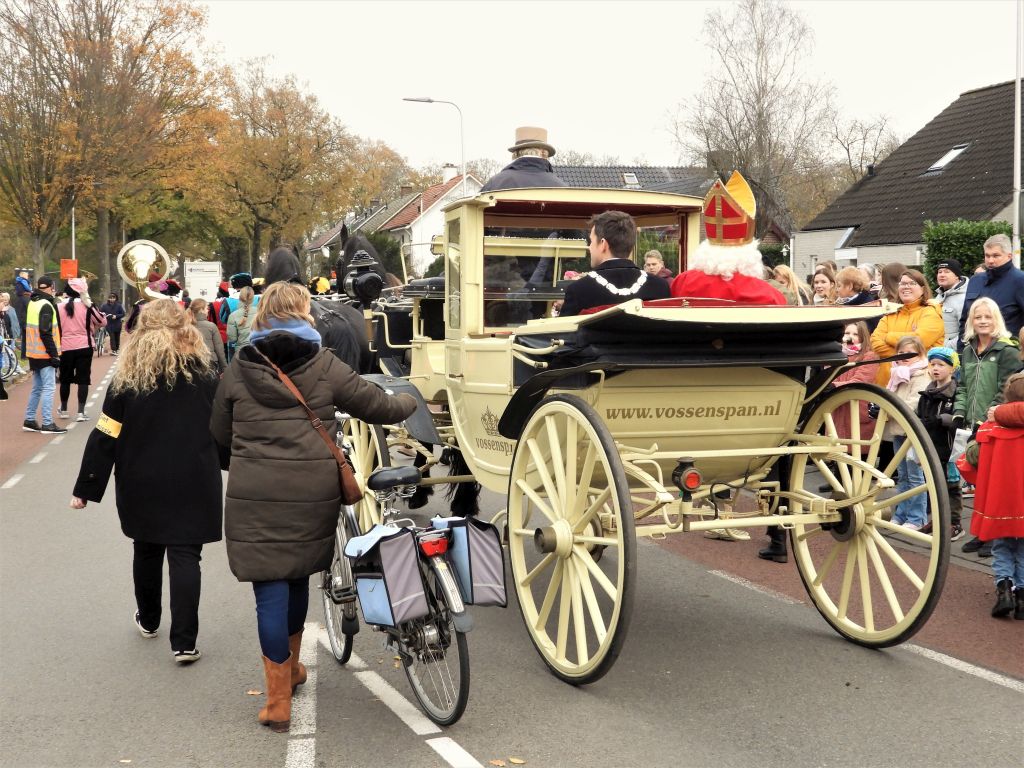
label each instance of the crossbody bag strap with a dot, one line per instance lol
(313, 418)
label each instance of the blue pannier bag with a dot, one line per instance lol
(386, 569)
(477, 558)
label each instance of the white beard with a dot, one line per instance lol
(727, 260)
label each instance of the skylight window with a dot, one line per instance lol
(630, 178)
(947, 158)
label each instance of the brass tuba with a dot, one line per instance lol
(139, 261)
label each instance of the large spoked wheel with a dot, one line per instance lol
(571, 539)
(8, 361)
(436, 659)
(369, 451)
(339, 597)
(875, 581)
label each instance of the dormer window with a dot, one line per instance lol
(947, 158)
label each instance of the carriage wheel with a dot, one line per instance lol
(369, 452)
(874, 581)
(567, 493)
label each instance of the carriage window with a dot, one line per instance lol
(452, 278)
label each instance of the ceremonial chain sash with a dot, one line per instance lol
(615, 289)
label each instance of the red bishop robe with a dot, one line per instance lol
(739, 288)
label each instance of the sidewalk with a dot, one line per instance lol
(16, 446)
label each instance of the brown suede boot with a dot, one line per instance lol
(298, 668)
(278, 711)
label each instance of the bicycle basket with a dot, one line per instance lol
(477, 558)
(386, 569)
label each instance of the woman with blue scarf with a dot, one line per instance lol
(283, 491)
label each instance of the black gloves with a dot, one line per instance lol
(946, 420)
(873, 410)
(959, 422)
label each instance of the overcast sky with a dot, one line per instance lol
(602, 76)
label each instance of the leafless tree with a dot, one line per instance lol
(757, 113)
(861, 143)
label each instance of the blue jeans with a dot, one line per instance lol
(280, 612)
(1008, 560)
(44, 382)
(915, 509)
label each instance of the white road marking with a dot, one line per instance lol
(397, 703)
(37, 458)
(301, 752)
(72, 425)
(57, 440)
(756, 587)
(963, 666)
(12, 482)
(453, 754)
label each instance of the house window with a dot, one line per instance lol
(947, 158)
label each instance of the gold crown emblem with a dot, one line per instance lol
(490, 422)
(729, 211)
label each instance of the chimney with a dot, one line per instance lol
(406, 189)
(448, 172)
(871, 169)
(374, 204)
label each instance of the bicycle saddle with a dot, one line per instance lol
(392, 477)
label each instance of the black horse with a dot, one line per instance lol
(341, 326)
(350, 246)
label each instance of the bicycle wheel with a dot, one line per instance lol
(339, 598)
(436, 659)
(8, 363)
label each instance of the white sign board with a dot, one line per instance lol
(202, 279)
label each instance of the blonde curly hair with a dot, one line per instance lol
(164, 346)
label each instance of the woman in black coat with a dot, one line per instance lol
(156, 417)
(113, 310)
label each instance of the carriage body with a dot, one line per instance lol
(582, 422)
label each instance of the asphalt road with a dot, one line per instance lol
(714, 673)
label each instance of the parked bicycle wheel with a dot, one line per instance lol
(8, 362)
(436, 659)
(341, 619)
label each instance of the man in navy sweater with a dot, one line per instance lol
(1002, 282)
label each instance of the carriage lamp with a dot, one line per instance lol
(686, 476)
(362, 283)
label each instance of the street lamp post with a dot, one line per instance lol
(462, 135)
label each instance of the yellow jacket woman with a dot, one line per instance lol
(918, 316)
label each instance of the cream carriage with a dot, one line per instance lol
(630, 421)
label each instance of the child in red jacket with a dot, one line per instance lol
(999, 496)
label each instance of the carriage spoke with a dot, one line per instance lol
(586, 476)
(610, 589)
(538, 502)
(579, 621)
(844, 595)
(899, 498)
(827, 474)
(592, 510)
(897, 457)
(827, 563)
(564, 613)
(604, 541)
(542, 470)
(865, 585)
(897, 560)
(883, 578)
(549, 596)
(571, 486)
(549, 558)
(833, 432)
(856, 473)
(556, 458)
(872, 457)
(600, 630)
(924, 538)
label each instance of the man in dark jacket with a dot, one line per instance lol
(1002, 282)
(615, 278)
(530, 166)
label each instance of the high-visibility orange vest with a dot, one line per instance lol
(34, 346)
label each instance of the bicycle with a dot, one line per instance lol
(9, 363)
(101, 339)
(433, 648)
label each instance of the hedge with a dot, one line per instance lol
(771, 254)
(961, 240)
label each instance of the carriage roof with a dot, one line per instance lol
(580, 203)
